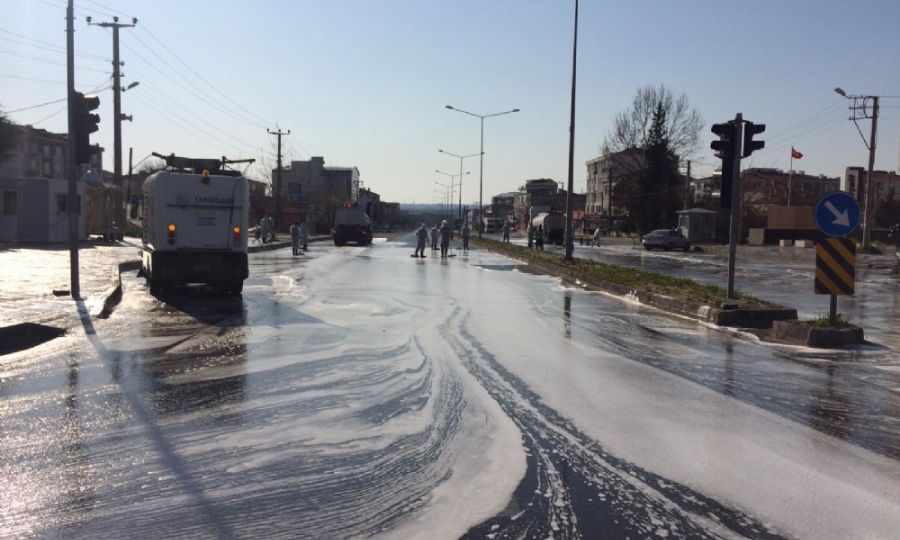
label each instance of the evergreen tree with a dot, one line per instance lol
(7, 136)
(657, 196)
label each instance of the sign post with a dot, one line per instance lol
(837, 215)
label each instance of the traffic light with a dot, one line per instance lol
(751, 129)
(724, 148)
(85, 123)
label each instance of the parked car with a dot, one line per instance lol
(666, 239)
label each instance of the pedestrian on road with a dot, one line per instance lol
(465, 237)
(595, 241)
(434, 237)
(265, 229)
(895, 234)
(446, 233)
(529, 231)
(506, 231)
(295, 238)
(304, 235)
(539, 238)
(421, 238)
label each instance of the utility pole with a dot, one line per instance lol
(687, 186)
(570, 243)
(869, 206)
(276, 187)
(866, 188)
(119, 211)
(72, 168)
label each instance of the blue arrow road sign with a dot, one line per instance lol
(837, 214)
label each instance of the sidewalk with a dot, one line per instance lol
(31, 274)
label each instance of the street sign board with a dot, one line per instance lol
(837, 214)
(835, 266)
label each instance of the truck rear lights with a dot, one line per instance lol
(236, 231)
(171, 228)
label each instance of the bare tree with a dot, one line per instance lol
(631, 128)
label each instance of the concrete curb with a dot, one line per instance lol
(797, 333)
(740, 318)
(113, 296)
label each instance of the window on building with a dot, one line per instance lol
(47, 167)
(60, 203)
(30, 165)
(295, 192)
(10, 203)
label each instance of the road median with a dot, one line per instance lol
(673, 294)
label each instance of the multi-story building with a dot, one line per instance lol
(313, 191)
(34, 187)
(887, 184)
(605, 174)
(764, 187)
(545, 193)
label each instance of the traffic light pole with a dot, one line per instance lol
(737, 145)
(72, 167)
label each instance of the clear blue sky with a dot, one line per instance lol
(365, 82)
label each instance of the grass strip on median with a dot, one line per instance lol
(653, 282)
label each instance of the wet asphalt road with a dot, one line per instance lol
(782, 275)
(360, 392)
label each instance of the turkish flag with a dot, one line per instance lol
(795, 154)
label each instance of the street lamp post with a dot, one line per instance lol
(461, 158)
(446, 201)
(452, 182)
(865, 189)
(481, 165)
(570, 243)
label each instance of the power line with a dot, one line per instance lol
(38, 105)
(49, 116)
(164, 95)
(194, 93)
(202, 90)
(210, 85)
(47, 60)
(107, 8)
(188, 128)
(31, 79)
(45, 45)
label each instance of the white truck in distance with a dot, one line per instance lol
(195, 230)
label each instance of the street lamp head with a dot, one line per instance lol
(840, 91)
(515, 110)
(88, 19)
(441, 150)
(446, 106)
(132, 85)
